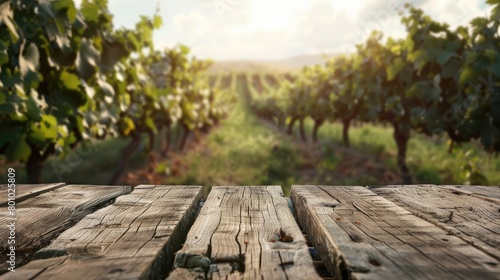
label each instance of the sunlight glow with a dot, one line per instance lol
(235, 29)
(282, 14)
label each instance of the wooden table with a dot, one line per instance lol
(253, 232)
(245, 233)
(406, 232)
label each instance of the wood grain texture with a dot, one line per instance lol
(234, 237)
(41, 218)
(134, 238)
(24, 192)
(360, 235)
(490, 193)
(472, 214)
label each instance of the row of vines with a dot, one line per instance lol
(68, 76)
(436, 81)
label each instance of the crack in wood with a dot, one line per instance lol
(359, 209)
(238, 228)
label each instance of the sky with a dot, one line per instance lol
(277, 29)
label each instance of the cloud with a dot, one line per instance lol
(455, 12)
(263, 29)
(321, 26)
(191, 23)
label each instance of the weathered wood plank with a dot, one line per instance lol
(360, 235)
(40, 219)
(24, 192)
(473, 217)
(237, 236)
(490, 193)
(134, 238)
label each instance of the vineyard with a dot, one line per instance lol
(435, 82)
(422, 109)
(370, 159)
(74, 78)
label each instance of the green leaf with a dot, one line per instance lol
(184, 49)
(470, 57)
(64, 58)
(450, 69)
(132, 39)
(112, 53)
(65, 5)
(6, 17)
(70, 81)
(126, 125)
(495, 12)
(467, 75)
(157, 21)
(88, 59)
(150, 124)
(15, 139)
(419, 89)
(44, 132)
(90, 12)
(394, 69)
(29, 61)
(34, 107)
(444, 56)
(108, 91)
(419, 58)
(4, 58)
(56, 32)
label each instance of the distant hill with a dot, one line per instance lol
(297, 62)
(292, 64)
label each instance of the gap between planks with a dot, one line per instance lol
(24, 192)
(55, 208)
(237, 236)
(134, 238)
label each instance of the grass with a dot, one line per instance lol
(429, 158)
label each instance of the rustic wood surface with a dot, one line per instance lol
(485, 192)
(41, 218)
(237, 236)
(24, 192)
(364, 236)
(463, 212)
(489, 193)
(134, 238)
